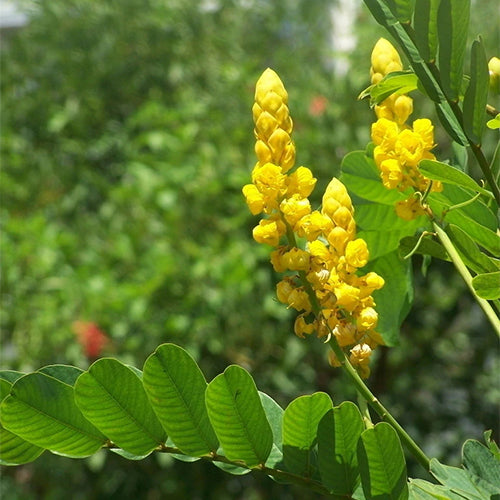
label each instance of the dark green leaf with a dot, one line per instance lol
(112, 397)
(453, 24)
(300, 428)
(382, 464)
(176, 388)
(470, 253)
(425, 25)
(439, 171)
(487, 285)
(10, 375)
(42, 410)
(64, 373)
(237, 415)
(338, 434)
(404, 10)
(395, 298)
(481, 463)
(476, 94)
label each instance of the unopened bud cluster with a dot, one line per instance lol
(322, 281)
(399, 148)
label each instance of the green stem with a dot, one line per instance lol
(382, 412)
(464, 272)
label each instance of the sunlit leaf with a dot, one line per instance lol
(112, 397)
(338, 434)
(176, 388)
(300, 428)
(487, 285)
(382, 464)
(238, 418)
(42, 410)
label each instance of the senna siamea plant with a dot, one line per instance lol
(346, 271)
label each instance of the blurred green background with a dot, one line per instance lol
(126, 139)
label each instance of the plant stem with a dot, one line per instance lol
(383, 413)
(464, 272)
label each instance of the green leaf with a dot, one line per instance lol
(274, 414)
(64, 373)
(457, 480)
(425, 26)
(176, 388)
(236, 413)
(470, 253)
(395, 298)
(42, 410)
(10, 375)
(495, 162)
(382, 464)
(300, 428)
(404, 10)
(338, 434)
(481, 463)
(439, 171)
(426, 246)
(476, 95)
(112, 397)
(423, 490)
(13, 449)
(473, 216)
(487, 285)
(453, 24)
(494, 124)
(400, 82)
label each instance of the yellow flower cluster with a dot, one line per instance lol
(399, 148)
(322, 280)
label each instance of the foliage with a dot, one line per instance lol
(114, 224)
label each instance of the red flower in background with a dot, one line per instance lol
(91, 338)
(317, 105)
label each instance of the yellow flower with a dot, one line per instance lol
(385, 132)
(391, 173)
(403, 108)
(385, 58)
(424, 128)
(295, 208)
(409, 209)
(255, 200)
(301, 327)
(360, 357)
(356, 253)
(347, 296)
(345, 333)
(283, 290)
(268, 231)
(270, 182)
(273, 124)
(296, 259)
(299, 300)
(367, 319)
(313, 225)
(494, 71)
(301, 182)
